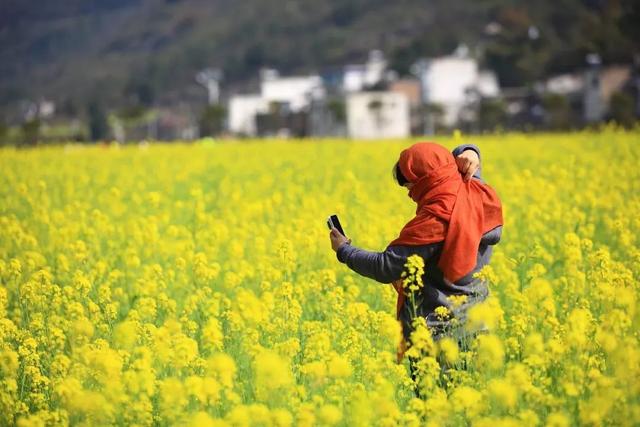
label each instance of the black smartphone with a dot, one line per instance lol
(334, 222)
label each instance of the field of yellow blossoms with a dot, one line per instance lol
(194, 285)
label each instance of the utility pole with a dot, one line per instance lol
(210, 78)
(419, 69)
(635, 75)
(592, 98)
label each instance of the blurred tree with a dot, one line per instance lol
(622, 109)
(212, 120)
(69, 108)
(98, 126)
(338, 110)
(427, 44)
(255, 56)
(402, 59)
(141, 92)
(522, 41)
(30, 132)
(492, 113)
(628, 21)
(4, 132)
(433, 118)
(131, 113)
(557, 112)
(344, 13)
(518, 52)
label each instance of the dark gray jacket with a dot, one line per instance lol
(387, 266)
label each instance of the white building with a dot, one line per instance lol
(359, 77)
(377, 115)
(242, 113)
(295, 93)
(564, 84)
(487, 83)
(453, 81)
(596, 85)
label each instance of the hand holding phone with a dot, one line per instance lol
(337, 237)
(334, 222)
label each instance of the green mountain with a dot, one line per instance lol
(139, 52)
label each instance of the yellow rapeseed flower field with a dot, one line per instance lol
(194, 285)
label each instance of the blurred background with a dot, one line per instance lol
(134, 70)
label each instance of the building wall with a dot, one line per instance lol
(297, 92)
(487, 84)
(445, 82)
(242, 113)
(389, 120)
(353, 79)
(410, 88)
(358, 77)
(613, 79)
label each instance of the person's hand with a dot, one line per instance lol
(468, 163)
(337, 239)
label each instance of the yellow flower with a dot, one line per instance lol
(490, 352)
(125, 335)
(421, 339)
(271, 373)
(457, 300)
(212, 335)
(316, 370)
(184, 351)
(329, 415)
(502, 393)
(579, 327)
(485, 315)
(558, 419)
(281, 417)
(339, 366)
(202, 419)
(449, 350)
(8, 362)
(468, 400)
(223, 367)
(438, 407)
(32, 420)
(442, 312)
(413, 272)
(155, 287)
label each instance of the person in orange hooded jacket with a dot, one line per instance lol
(458, 220)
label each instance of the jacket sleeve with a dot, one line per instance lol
(384, 267)
(492, 237)
(464, 147)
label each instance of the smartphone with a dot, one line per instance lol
(334, 222)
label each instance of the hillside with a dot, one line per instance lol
(147, 51)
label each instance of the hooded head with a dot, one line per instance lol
(427, 165)
(449, 209)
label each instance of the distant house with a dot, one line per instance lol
(564, 84)
(411, 89)
(487, 84)
(42, 109)
(243, 110)
(360, 77)
(377, 115)
(296, 92)
(592, 88)
(278, 96)
(454, 81)
(613, 79)
(173, 124)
